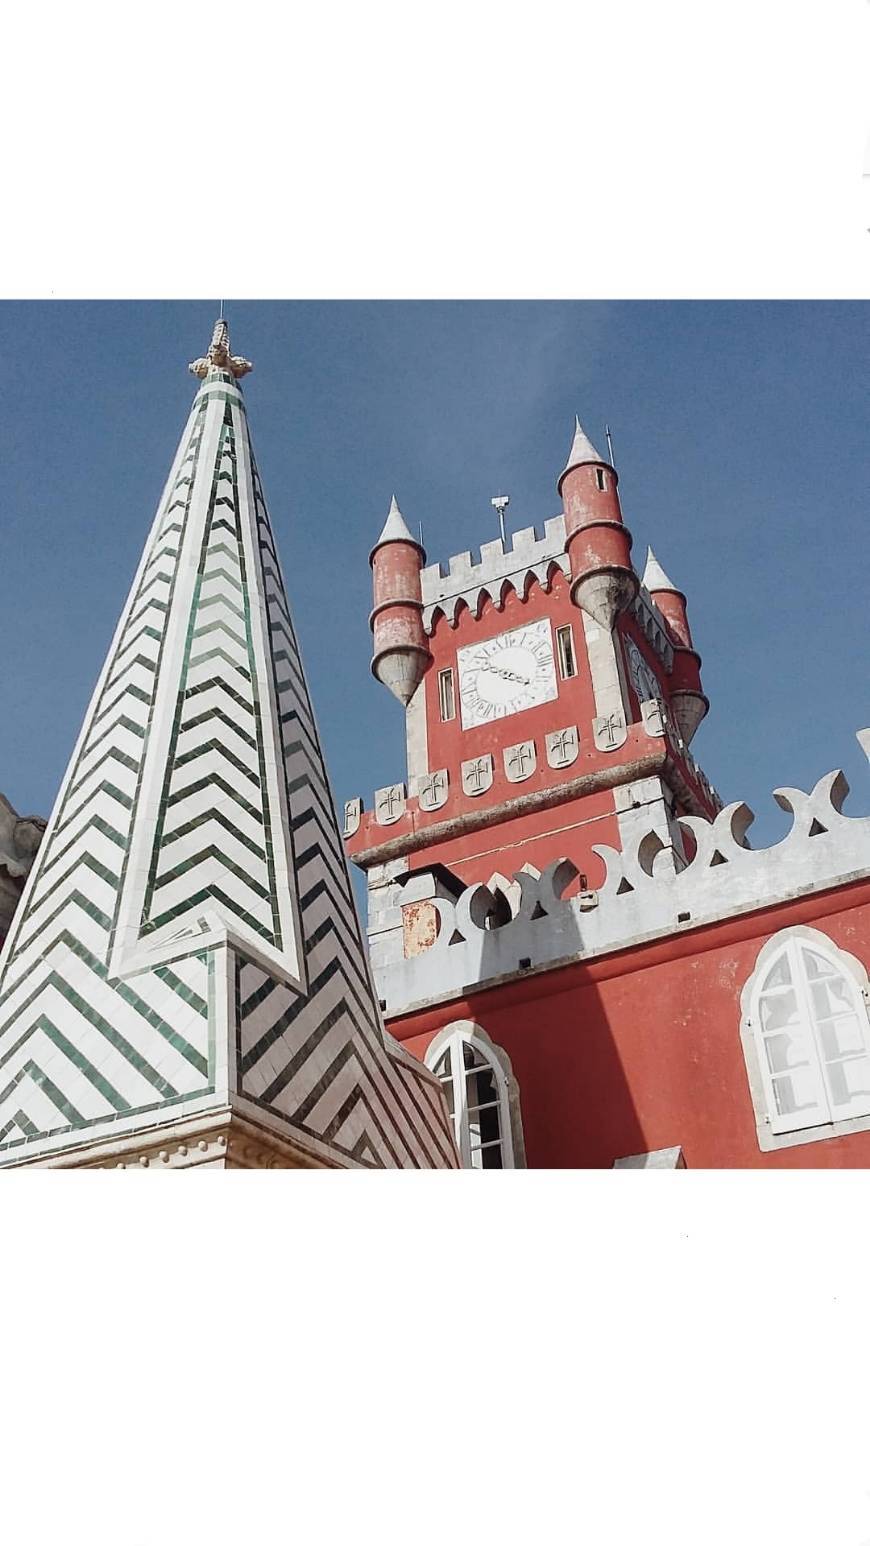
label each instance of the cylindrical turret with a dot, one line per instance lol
(687, 698)
(401, 650)
(603, 581)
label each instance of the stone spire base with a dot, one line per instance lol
(221, 1140)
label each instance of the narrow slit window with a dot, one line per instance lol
(601, 477)
(565, 645)
(446, 696)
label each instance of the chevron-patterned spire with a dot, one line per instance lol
(187, 958)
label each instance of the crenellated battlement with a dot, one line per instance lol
(489, 932)
(529, 556)
(471, 581)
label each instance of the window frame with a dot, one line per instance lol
(562, 630)
(750, 1035)
(446, 672)
(467, 1032)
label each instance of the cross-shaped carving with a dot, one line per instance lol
(434, 786)
(611, 728)
(478, 772)
(655, 716)
(563, 742)
(518, 758)
(389, 800)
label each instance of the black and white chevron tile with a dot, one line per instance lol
(188, 936)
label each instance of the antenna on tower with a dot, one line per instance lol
(609, 445)
(500, 504)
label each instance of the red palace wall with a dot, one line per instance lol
(641, 1050)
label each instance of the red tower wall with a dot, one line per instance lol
(449, 744)
(563, 831)
(584, 502)
(672, 605)
(396, 593)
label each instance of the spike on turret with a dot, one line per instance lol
(603, 580)
(687, 698)
(401, 650)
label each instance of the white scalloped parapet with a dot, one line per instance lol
(498, 566)
(484, 936)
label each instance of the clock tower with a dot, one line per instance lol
(550, 698)
(550, 694)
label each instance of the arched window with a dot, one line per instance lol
(806, 1012)
(481, 1094)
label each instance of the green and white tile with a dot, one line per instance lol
(188, 939)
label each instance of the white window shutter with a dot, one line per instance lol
(795, 1088)
(841, 1026)
(812, 1032)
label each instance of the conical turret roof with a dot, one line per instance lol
(582, 450)
(187, 946)
(654, 577)
(395, 529)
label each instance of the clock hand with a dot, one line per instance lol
(509, 676)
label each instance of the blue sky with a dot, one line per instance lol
(740, 433)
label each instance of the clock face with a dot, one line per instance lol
(643, 679)
(504, 675)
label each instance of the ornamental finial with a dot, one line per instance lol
(219, 357)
